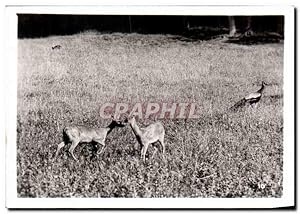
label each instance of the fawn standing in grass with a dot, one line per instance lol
(79, 134)
(148, 135)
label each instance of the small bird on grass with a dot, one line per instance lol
(252, 98)
(56, 47)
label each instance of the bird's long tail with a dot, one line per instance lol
(238, 105)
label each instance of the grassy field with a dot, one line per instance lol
(221, 154)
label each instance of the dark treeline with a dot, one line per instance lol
(38, 25)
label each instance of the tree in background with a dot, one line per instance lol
(232, 27)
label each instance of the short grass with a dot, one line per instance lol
(221, 154)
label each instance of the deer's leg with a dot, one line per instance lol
(136, 145)
(155, 151)
(71, 150)
(162, 142)
(59, 147)
(144, 150)
(103, 145)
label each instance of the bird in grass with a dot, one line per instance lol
(56, 47)
(252, 98)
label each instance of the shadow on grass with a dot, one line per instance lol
(256, 38)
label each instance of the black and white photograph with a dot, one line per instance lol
(163, 105)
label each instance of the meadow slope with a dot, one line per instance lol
(221, 154)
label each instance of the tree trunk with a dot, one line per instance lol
(130, 24)
(232, 28)
(249, 23)
(280, 25)
(248, 29)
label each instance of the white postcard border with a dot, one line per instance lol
(12, 201)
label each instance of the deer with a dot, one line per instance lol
(83, 134)
(150, 134)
